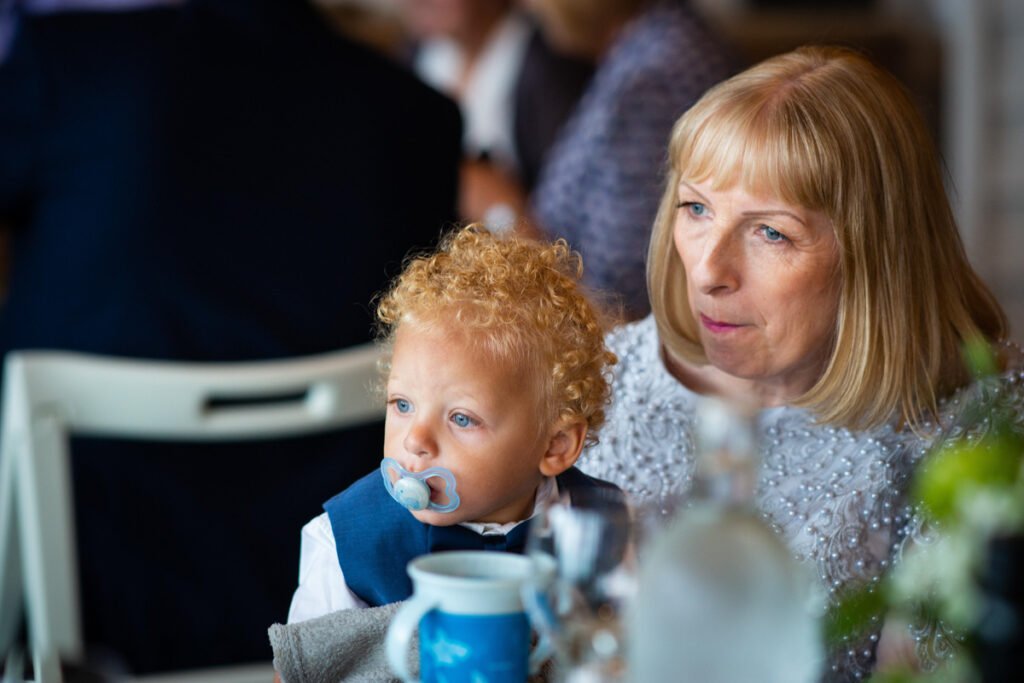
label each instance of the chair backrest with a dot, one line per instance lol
(47, 396)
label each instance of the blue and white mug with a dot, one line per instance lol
(472, 625)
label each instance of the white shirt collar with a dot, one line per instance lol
(546, 492)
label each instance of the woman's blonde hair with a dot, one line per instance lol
(521, 302)
(825, 129)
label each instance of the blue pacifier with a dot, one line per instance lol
(411, 490)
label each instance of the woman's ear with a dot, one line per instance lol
(564, 447)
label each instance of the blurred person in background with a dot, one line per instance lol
(600, 184)
(207, 181)
(514, 91)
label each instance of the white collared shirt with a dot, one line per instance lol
(487, 101)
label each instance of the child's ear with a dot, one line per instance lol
(564, 447)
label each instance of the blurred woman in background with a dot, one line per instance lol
(600, 184)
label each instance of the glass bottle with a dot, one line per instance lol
(720, 597)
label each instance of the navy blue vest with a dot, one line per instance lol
(375, 537)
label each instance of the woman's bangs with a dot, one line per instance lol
(711, 148)
(791, 160)
(765, 151)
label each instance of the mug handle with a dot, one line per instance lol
(542, 651)
(400, 631)
(543, 622)
(535, 607)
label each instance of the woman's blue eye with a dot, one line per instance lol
(772, 235)
(694, 208)
(462, 420)
(403, 406)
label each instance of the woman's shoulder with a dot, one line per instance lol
(964, 410)
(1012, 356)
(1005, 385)
(637, 347)
(645, 443)
(640, 378)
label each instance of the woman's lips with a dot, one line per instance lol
(717, 325)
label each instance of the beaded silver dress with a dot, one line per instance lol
(837, 498)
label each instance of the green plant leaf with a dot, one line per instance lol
(855, 612)
(958, 468)
(980, 358)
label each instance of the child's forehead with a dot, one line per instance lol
(500, 356)
(452, 369)
(482, 344)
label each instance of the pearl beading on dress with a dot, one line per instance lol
(838, 498)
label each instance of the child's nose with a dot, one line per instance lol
(419, 441)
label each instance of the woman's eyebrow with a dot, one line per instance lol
(775, 212)
(694, 190)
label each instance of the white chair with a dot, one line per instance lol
(47, 396)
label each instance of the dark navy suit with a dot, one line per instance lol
(225, 180)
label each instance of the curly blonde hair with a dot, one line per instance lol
(521, 302)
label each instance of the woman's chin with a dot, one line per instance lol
(731, 361)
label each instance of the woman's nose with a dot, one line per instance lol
(420, 441)
(718, 268)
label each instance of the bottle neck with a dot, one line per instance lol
(727, 458)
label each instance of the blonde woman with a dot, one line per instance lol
(804, 254)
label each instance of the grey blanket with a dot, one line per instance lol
(345, 646)
(342, 646)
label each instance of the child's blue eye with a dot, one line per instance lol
(403, 406)
(462, 420)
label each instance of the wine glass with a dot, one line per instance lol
(584, 575)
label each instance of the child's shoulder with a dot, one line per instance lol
(366, 488)
(575, 479)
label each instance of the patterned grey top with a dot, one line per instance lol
(601, 182)
(836, 497)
